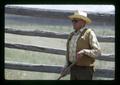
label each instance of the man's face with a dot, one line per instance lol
(78, 23)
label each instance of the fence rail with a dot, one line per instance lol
(53, 34)
(52, 69)
(37, 12)
(105, 57)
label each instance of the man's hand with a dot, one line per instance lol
(80, 54)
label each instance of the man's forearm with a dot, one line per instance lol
(92, 53)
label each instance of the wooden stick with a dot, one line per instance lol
(65, 71)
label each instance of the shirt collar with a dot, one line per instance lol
(79, 31)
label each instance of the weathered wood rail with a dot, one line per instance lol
(106, 57)
(53, 34)
(52, 69)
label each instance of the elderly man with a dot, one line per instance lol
(82, 48)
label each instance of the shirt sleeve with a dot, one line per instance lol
(94, 44)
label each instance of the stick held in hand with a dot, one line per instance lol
(65, 71)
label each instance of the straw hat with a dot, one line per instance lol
(80, 15)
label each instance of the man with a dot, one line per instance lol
(82, 48)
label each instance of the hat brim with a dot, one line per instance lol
(72, 17)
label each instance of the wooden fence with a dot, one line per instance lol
(52, 68)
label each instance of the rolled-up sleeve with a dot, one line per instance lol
(94, 44)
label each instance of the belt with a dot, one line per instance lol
(81, 66)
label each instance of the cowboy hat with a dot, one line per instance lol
(80, 15)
